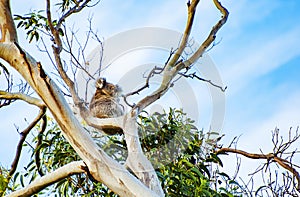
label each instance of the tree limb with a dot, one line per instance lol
(269, 157)
(191, 13)
(7, 27)
(37, 185)
(39, 142)
(172, 70)
(136, 159)
(194, 75)
(24, 133)
(211, 37)
(29, 99)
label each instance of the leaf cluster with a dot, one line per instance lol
(35, 23)
(170, 140)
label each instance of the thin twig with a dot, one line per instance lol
(269, 157)
(194, 75)
(154, 71)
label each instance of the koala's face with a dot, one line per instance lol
(108, 89)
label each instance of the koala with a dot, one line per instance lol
(105, 102)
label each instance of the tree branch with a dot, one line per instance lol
(136, 159)
(30, 100)
(39, 142)
(193, 75)
(23, 134)
(77, 8)
(269, 157)
(172, 70)
(211, 37)
(7, 27)
(191, 13)
(37, 185)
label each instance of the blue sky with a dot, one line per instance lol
(258, 58)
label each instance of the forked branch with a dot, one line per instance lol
(175, 66)
(212, 35)
(183, 44)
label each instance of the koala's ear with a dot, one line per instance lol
(101, 83)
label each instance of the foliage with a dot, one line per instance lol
(3, 180)
(34, 23)
(171, 142)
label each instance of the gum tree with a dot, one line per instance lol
(136, 176)
(143, 180)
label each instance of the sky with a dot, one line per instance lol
(257, 57)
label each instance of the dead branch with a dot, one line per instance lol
(75, 167)
(174, 66)
(269, 157)
(212, 35)
(23, 135)
(194, 75)
(191, 14)
(154, 71)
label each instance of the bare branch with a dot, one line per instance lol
(173, 68)
(212, 35)
(22, 140)
(269, 157)
(194, 75)
(37, 185)
(24, 97)
(155, 70)
(191, 13)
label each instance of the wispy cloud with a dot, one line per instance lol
(260, 58)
